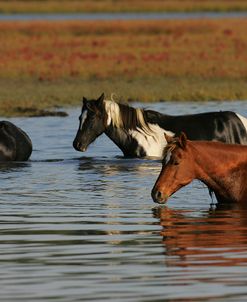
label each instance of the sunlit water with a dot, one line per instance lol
(82, 226)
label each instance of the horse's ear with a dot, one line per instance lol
(100, 102)
(182, 140)
(84, 102)
(168, 138)
(87, 104)
(101, 98)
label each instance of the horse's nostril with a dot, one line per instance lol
(157, 195)
(76, 145)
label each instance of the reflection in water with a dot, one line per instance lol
(78, 228)
(8, 167)
(118, 165)
(115, 175)
(217, 237)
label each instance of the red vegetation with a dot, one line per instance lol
(106, 49)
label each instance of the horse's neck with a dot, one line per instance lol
(142, 141)
(122, 140)
(218, 167)
(135, 143)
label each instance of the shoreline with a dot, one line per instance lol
(34, 98)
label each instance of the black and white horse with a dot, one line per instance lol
(140, 133)
(15, 145)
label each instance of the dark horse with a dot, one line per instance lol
(140, 133)
(222, 167)
(15, 145)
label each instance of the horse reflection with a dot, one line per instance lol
(217, 237)
(109, 166)
(10, 167)
(115, 180)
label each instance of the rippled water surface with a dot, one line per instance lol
(82, 226)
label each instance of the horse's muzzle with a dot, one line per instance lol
(78, 146)
(158, 196)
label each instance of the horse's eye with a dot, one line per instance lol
(174, 162)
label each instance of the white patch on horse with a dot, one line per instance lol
(83, 118)
(148, 136)
(154, 144)
(243, 120)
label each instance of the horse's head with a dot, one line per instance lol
(176, 170)
(92, 123)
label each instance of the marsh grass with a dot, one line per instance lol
(19, 96)
(75, 6)
(52, 64)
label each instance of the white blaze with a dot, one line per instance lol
(83, 118)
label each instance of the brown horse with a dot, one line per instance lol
(222, 167)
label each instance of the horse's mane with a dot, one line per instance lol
(171, 145)
(126, 117)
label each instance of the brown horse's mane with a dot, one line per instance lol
(171, 146)
(174, 143)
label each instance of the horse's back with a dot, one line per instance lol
(15, 144)
(224, 126)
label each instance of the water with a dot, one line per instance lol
(82, 226)
(121, 16)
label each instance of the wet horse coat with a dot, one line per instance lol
(222, 167)
(140, 133)
(15, 145)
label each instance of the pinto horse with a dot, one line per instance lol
(222, 167)
(15, 145)
(140, 133)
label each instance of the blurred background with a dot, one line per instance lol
(54, 52)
